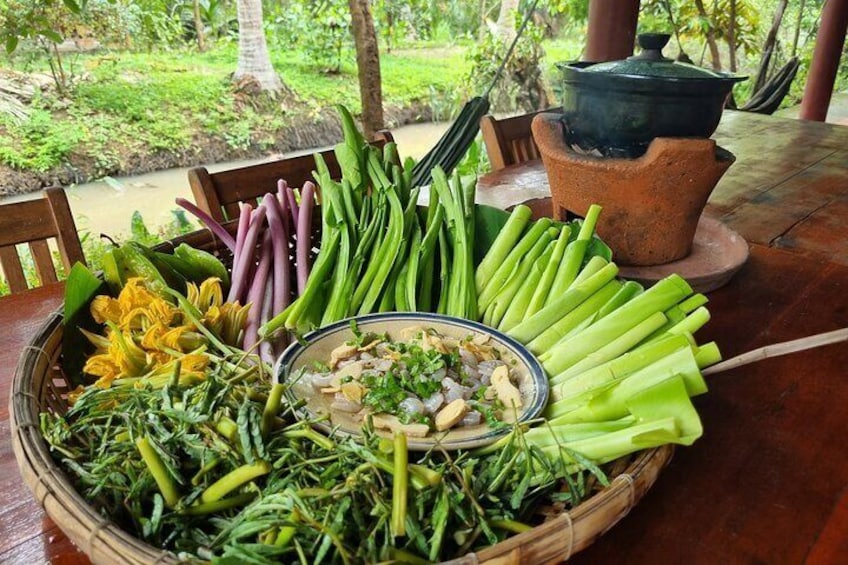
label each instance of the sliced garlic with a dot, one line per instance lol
(507, 392)
(353, 391)
(389, 422)
(341, 352)
(451, 414)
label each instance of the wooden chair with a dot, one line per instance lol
(36, 222)
(219, 194)
(509, 141)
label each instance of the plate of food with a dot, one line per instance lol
(440, 380)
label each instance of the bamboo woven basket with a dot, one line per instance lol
(39, 385)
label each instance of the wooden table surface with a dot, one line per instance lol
(768, 482)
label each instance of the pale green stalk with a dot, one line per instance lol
(506, 295)
(157, 469)
(521, 301)
(707, 354)
(541, 344)
(691, 323)
(616, 347)
(662, 295)
(399, 485)
(233, 480)
(540, 294)
(503, 244)
(495, 283)
(628, 291)
(574, 255)
(564, 387)
(533, 326)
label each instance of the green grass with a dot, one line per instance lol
(143, 103)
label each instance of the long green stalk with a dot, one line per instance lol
(493, 285)
(521, 302)
(540, 294)
(707, 354)
(628, 291)
(502, 246)
(665, 293)
(542, 343)
(574, 255)
(511, 287)
(572, 386)
(533, 326)
(619, 346)
(444, 276)
(399, 485)
(233, 480)
(157, 468)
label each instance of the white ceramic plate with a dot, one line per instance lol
(317, 346)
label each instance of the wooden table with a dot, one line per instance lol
(768, 482)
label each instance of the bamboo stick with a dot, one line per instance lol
(777, 349)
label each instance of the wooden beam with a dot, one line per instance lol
(612, 29)
(822, 75)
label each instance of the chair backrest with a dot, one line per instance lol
(509, 141)
(219, 194)
(35, 222)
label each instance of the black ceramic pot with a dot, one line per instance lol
(619, 107)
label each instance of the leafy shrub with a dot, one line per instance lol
(520, 86)
(38, 143)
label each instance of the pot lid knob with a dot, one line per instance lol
(652, 45)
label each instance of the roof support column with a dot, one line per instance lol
(822, 75)
(612, 29)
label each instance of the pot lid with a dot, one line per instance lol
(650, 62)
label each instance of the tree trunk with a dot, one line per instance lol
(254, 63)
(711, 40)
(198, 27)
(368, 63)
(797, 34)
(731, 36)
(768, 48)
(506, 20)
(481, 33)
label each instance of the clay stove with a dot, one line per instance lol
(652, 205)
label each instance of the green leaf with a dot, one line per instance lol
(52, 35)
(488, 223)
(80, 288)
(139, 228)
(11, 43)
(72, 6)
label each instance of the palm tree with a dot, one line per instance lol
(368, 63)
(254, 63)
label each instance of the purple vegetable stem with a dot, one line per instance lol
(244, 222)
(256, 294)
(210, 223)
(281, 290)
(304, 234)
(292, 204)
(241, 270)
(266, 347)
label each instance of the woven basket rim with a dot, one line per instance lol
(554, 540)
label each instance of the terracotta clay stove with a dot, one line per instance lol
(652, 205)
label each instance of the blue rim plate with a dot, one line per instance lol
(317, 345)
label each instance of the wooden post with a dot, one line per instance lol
(612, 29)
(822, 75)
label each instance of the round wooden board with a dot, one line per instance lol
(717, 253)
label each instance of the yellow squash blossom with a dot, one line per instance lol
(145, 334)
